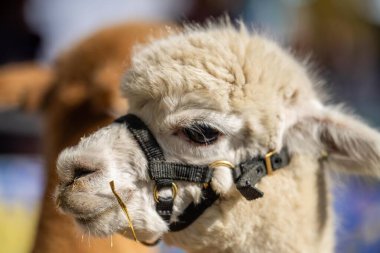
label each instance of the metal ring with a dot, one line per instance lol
(224, 163)
(174, 192)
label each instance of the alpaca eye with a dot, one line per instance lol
(201, 134)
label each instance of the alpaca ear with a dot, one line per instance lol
(350, 144)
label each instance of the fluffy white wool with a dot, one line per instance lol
(259, 98)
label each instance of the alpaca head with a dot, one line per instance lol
(208, 94)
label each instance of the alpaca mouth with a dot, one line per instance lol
(85, 211)
(91, 218)
(85, 217)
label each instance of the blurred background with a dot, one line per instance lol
(342, 39)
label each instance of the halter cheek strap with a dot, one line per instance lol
(246, 175)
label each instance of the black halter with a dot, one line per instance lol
(164, 173)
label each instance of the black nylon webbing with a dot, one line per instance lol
(164, 173)
(153, 153)
(165, 208)
(281, 159)
(278, 161)
(193, 211)
(143, 136)
(246, 174)
(250, 172)
(176, 171)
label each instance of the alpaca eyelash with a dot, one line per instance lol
(201, 134)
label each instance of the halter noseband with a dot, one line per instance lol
(164, 173)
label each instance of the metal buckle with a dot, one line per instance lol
(155, 192)
(268, 162)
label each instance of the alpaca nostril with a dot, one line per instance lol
(82, 172)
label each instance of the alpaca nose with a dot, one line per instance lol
(80, 172)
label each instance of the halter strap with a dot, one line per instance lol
(246, 175)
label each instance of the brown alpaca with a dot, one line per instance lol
(81, 97)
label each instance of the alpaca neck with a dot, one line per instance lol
(286, 219)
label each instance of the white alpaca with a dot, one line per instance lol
(220, 93)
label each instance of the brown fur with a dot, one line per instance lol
(23, 85)
(86, 90)
(82, 90)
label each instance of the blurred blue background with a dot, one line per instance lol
(341, 37)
